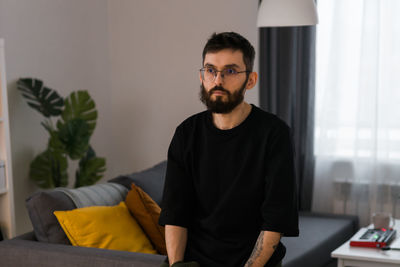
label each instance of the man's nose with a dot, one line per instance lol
(219, 78)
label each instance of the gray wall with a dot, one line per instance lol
(64, 43)
(138, 59)
(155, 56)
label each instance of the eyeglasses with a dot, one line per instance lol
(209, 74)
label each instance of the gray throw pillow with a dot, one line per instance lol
(45, 224)
(150, 180)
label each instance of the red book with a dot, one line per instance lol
(373, 238)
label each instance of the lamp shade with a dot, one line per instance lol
(280, 13)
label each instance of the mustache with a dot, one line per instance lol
(218, 88)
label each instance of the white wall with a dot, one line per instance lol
(64, 43)
(156, 51)
(138, 59)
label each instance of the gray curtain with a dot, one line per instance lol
(287, 86)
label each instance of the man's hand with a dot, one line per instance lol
(175, 239)
(265, 246)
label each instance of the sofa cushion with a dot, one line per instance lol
(40, 208)
(106, 194)
(150, 180)
(109, 227)
(147, 213)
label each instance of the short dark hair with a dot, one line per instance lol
(234, 41)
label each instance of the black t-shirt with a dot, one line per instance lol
(225, 186)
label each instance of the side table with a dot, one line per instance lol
(369, 257)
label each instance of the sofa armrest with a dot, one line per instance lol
(21, 251)
(320, 234)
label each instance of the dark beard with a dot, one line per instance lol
(218, 105)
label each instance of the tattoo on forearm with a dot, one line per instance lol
(256, 251)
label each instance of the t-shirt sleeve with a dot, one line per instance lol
(280, 205)
(177, 201)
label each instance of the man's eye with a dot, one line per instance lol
(230, 71)
(210, 70)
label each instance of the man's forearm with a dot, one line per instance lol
(265, 246)
(175, 239)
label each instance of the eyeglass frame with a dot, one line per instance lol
(216, 73)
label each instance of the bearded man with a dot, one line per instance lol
(230, 188)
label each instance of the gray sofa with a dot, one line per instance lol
(47, 245)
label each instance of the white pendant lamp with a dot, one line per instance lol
(281, 13)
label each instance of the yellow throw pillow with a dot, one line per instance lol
(146, 211)
(110, 227)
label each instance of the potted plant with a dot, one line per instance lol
(68, 138)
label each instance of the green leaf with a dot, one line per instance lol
(79, 105)
(75, 135)
(49, 169)
(45, 100)
(91, 169)
(55, 143)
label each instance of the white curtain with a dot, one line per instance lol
(357, 120)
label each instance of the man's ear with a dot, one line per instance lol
(252, 80)
(200, 77)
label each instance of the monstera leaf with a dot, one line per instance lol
(91, 169)
(74, 135)
(49, 169)
(55, 144)
(43, 99)
(79, 105)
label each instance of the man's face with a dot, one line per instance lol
(223, 94)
